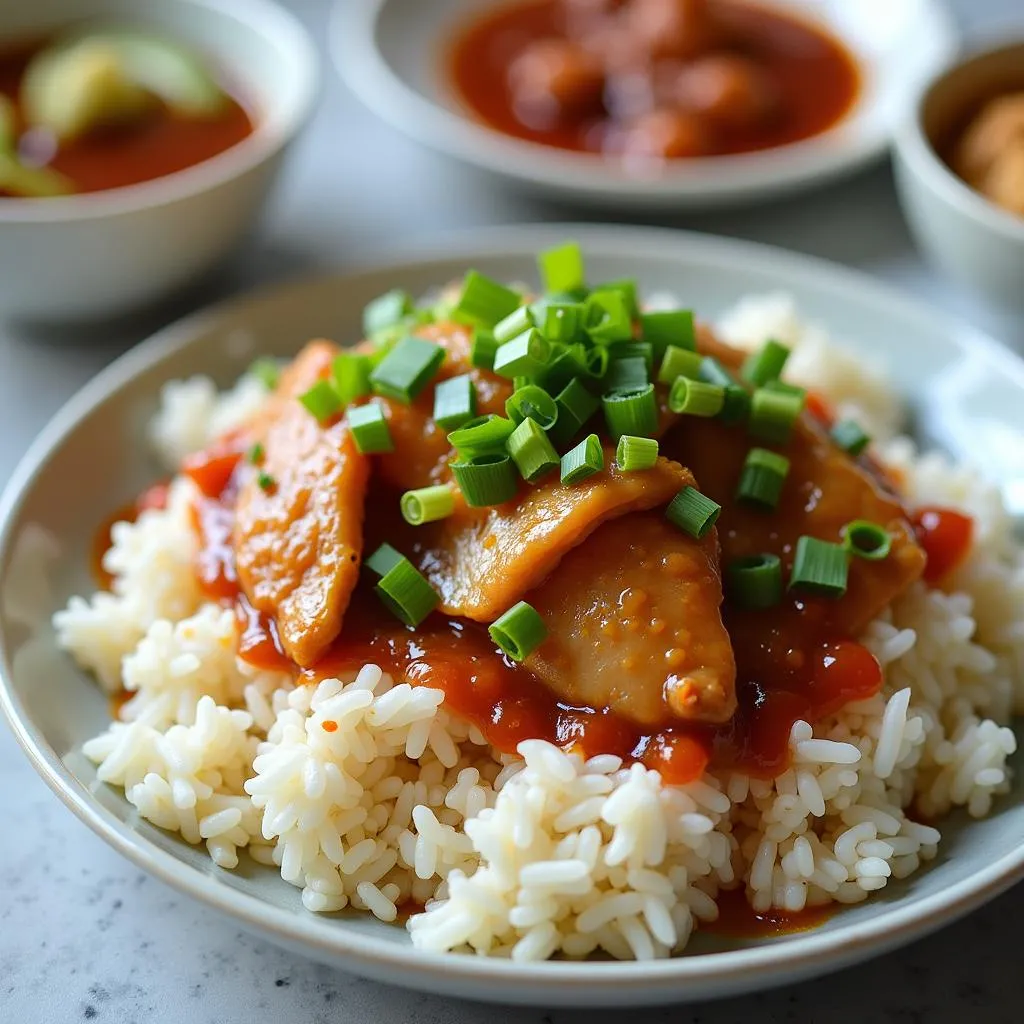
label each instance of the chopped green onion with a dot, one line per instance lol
(407, 369)
(454, 401)
(755, 581)
(695, 398)
(350, 372)
(633, 349)
(575, 407)
(267, 371)
(736, 406)
(427, 504)
(321, 400)
(850, 437)
(669, 327)
(679, 362)
(694, 513)
(383, 560)
(595, 361)
(483, 349)
(561, 268)
(513, 325)
(483, 301)
(519, 632)
(563, 368)
(773, 414)
(486, 479)
(766, 364)
(819, 567)
(713, 372)
(531, 450)
(265, 482)
(524, 356)
(256, 453)
(867, 540)
(626, 374)
(586, 459)
(636, 453)
(407, 593)
(626, 288)
(370, 429)
(561, 321)
(631, 412)
(532, 402)
(483, 436)
(784, 388)
(385, 311)
(608, 318)
(762, 477)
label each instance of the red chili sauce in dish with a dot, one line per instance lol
(652, 79)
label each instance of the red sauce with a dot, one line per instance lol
(160, 143)
(946, 537)
(795, 80)
(738, 920)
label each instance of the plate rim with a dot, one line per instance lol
(718, 181)
(564, 982)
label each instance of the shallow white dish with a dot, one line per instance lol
(92, 459)
(104, 253)
(389, 52)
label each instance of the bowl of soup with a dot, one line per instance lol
(139, 140)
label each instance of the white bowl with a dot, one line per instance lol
(962, 232)
(104, 253)
(388, 52)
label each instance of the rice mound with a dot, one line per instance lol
(366, 793)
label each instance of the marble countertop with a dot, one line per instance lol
(84, 936)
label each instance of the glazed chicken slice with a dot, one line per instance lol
(634, 624)
(298, 543)
(482, 561)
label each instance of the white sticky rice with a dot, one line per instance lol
(366, 793)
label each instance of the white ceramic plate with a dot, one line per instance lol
(92, 459)
(390, 54)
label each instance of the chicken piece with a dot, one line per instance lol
(998, 125)
(553, 80)
(1004, 182)
(681, 29)
(298, 542)
(634, 624)
(727, 91)
(481, 561)
(667, 134)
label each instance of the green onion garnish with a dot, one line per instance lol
(454, 401)
(850, 437)
(785, 388)
(350, 373)
(427, 504)
(754, 581)
(523, 356)
(766, 364)
(486, 479)
(608, 318)
(762, 477)
(483, 349)
(531, 450)
(624, 287)
(713, 372)
(483, 301)
(532, 402)
(630, 349)
(265, 482)
(561, 321)
(384, 559)
(407, 593)
(636, 453)
(679, 362)
(370, 429)
(736, 406)
(267, 371)
(867, 540)
(256, 453)
(565, 365)
(631, 412)
(694, 513)
(561, 268)
(575, 407)
(626, 374)
(483, 436)
(695, 398)
(407, 369)
(586, 459)
(519, 632)
(511, 326)
(321, 400)
(669, 327)
(819, 567)
(595, 361)
(773, 414)
(385, 311)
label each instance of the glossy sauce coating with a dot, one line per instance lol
(162, 143)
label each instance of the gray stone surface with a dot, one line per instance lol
(84, 936)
